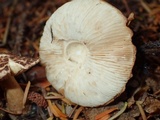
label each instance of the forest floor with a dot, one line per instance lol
(21, 27)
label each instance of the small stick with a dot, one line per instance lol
(101, 115)
(49, 112)
(26, 93)
(54, 95)
(72, 111)
(119, 112)
(145, 6)
(157, 92)
(55, 110)
(106, 117)
(141, 110)
(6, 33)
(78, 111)
(126, 5)
(60, 113)
(7, 111)
(8, 25)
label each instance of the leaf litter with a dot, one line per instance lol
(21, 26)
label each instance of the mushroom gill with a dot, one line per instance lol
(87, 50)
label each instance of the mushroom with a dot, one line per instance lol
(11, 65)
(88, 53)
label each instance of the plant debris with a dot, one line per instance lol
(21, 26)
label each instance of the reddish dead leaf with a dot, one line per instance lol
(78, 111)
(55, 110)
(101, 115)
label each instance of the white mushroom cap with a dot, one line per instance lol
(13, 64)
(88, 52)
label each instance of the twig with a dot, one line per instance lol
(49, 112)
(52, 109)
(41, 112)
(119, 112)
(106, 117)
(72, 111)
(50, 118)
(55, 110)
(7, 111)
(126, 6)
(4, 41)
(26, 93)
(54, 95)
(145, 6)
(6, 33)
(105, 113)
(138, 103)
(157, 92)
(58, 96)
(78, 111)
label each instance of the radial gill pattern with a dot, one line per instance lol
(88, 52)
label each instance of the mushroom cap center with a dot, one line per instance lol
(76, 52)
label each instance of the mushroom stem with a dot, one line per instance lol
(14, 94)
